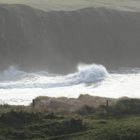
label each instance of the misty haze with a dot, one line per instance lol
(69, 70)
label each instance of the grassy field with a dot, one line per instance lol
(120, 121)
(18, 123)
(126, 128)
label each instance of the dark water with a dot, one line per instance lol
(57, 41)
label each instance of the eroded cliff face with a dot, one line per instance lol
(58, 40)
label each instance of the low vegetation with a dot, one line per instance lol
(35, 125)
(120, 121)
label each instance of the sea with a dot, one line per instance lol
(19, 87)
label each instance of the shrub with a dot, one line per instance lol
(86, 110)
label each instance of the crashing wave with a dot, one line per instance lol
(19, 79)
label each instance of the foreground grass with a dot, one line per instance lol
(36, 125)
(30, 125)
(124, 128)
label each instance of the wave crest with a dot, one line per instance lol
(19, 79)
(91, 73)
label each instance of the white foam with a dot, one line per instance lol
(18, 87)
(118, 85)
(19, 79)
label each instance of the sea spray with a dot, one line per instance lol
(85, 74)
(22, 87)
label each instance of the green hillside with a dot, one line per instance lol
(118, 122)
(42, 126)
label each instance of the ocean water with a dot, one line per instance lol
(18, 87)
